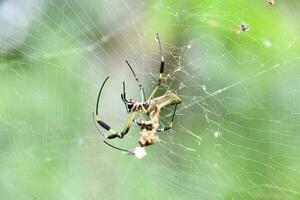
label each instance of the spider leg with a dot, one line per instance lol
(161, 71)
(123, 97)
(104, 125)
(143, 97)
(115, 134)
(171, 124)
(120, 149)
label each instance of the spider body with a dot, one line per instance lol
(166, 100)
(150, 107)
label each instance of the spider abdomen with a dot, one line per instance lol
(164, 101)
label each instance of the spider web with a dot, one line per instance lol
(235, 134)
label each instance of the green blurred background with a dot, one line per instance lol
(236, 133)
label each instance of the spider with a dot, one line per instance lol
(147, 106)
